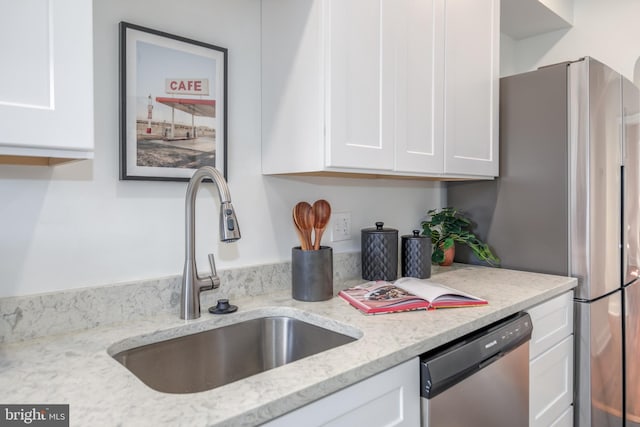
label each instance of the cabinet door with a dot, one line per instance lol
(293, 88)
(391, 398)
(46, 83)
(359, 116)
(552, 322)
(551, 384)
(419, 64)
(472, 40)
(564, 420)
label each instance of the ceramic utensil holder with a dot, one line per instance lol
(416, 256)
(312, 274)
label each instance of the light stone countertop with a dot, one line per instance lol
(76, 369)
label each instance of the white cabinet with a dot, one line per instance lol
(551, 363)
(46, 81)
(471, 87)
(394, 87)
(565, 420)
(391, 398)
(418, 99)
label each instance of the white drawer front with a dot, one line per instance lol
(551, 384)
(552, 321)
(389, 399)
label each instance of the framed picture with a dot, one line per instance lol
(173, 105)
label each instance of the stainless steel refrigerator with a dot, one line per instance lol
(568, 202)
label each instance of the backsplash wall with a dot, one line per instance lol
(77, 225)
(34, 316)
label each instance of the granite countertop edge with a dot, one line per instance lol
(77, 369)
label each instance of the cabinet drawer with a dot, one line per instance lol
(391, 398)
(551, 384)
(552, 321)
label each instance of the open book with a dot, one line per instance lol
(406, 294)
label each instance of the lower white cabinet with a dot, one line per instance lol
(565, 420)
(551, 363)
(391, 398)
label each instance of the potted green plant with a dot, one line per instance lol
(448, 226)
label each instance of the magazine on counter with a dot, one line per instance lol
(406, 294)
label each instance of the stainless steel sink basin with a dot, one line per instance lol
(215, 357)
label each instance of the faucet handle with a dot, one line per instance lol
(214, 273)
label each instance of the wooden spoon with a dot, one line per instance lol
(308, 226)
(304, 219)
(298, 231)
(322, 213)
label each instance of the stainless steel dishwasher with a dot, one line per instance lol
(481, 379)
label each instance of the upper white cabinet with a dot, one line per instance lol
(471, 81)
(392, 87)
(416, 104)
(46, 81)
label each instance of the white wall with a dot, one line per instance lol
(77, 225)
(604, 29)
(508, 48)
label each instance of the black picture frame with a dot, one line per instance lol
(163, 76)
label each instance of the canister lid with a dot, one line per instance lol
(416, 235)
(379, 229)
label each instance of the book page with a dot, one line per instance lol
(433, 291)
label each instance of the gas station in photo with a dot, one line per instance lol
(196, 107)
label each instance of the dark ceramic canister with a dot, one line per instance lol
(379, 253)
(312, 274)
(415, 255)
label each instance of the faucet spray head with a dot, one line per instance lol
(229, 228)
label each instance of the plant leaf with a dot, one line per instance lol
(447, 226)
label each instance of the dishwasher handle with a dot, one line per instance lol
(446, 366)
(490, 360)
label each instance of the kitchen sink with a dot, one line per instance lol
(215, 357)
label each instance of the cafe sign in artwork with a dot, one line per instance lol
(187, 86)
